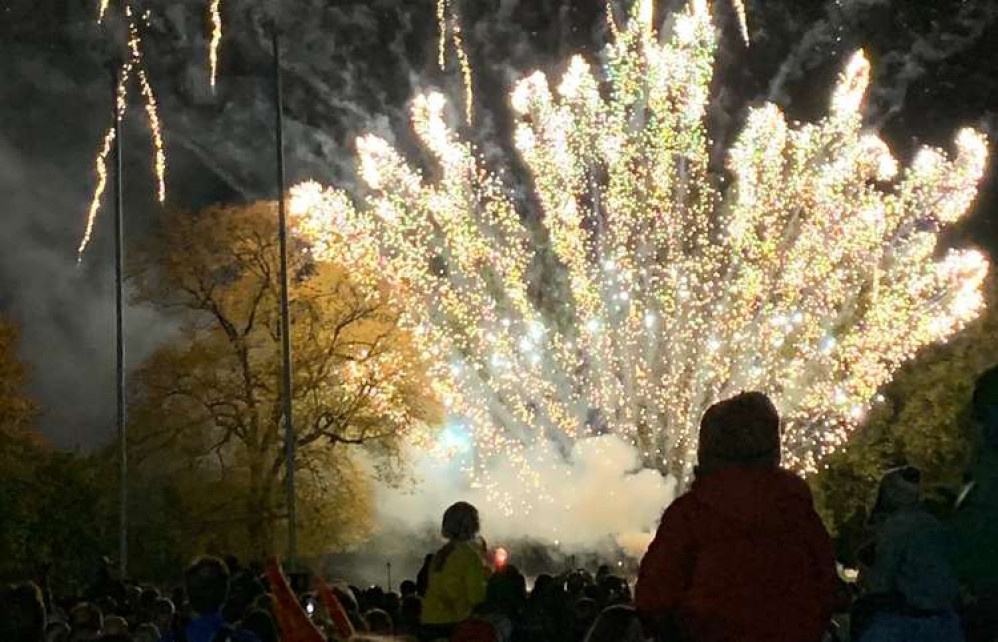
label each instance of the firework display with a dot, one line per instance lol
(215, 15)
(742, 19)
(809, 270)
(449, 25)
(134, 65)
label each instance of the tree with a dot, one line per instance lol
(208, 404)
(16, 408)
(50, 502)
(924, 420)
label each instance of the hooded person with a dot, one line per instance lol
(975, 523)
(910, 590)
(742, 556)
(457, 574)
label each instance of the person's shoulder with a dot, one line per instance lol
(682, 508)
(466, 552)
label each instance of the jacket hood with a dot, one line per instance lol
(769, 500)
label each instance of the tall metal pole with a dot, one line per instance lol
(119, 316)
(286, 381)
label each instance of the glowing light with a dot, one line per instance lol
(135, 64)
(742, 19)
(102, 11)
(151, 106)
(501, 557)
(215, 11)
(449, 24)
(95, 200)
(442, 26)
(152, 112)
(812, 276)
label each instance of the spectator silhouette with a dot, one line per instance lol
(163, 612)
(910, 589)
(410, 615)
(617, 623)
(22, 614)
(57, 632)
(742, 556)
(457, 574)
(146, 632)
(408, 587)
(379, 622)
(86, 622)
(423, 576)
(207, 585)
(975, 523)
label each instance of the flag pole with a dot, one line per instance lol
(286, 378)
(119, 317)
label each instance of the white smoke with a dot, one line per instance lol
(895, 71)
(899, 70)
(598, 497)
(811, 49)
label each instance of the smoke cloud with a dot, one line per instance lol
(598, 498)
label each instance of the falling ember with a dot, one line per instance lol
(442, 25)
(449, 24)
(152, 108)
(612, 22)
(135, 63)
(742, 19)
(101, 164)
(216, 38)
(103, 10)
(813, 275)
(466, 75)
(152, 111)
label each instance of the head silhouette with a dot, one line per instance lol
(741, 431)
(460, 522)
(207, 583)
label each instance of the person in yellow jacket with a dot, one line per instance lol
(458, 574)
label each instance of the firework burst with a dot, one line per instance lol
(810, 275)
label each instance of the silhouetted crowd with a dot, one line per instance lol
(740, 557)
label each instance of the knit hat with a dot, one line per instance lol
(899, 487)
(744, 428)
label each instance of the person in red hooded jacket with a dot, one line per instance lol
(742, 556)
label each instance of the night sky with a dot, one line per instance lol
(352, 67)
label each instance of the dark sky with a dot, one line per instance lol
(352, 67)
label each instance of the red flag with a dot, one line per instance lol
(291, 618)
(344, 627)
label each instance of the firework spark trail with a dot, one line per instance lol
(215, 10)
(442, 26)
(742, 19)
(449, 24)
(152, 111)
(466, 75)
(100, 164)
(134, 64)
(102, 11)
(151, 106)
(806, 277)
